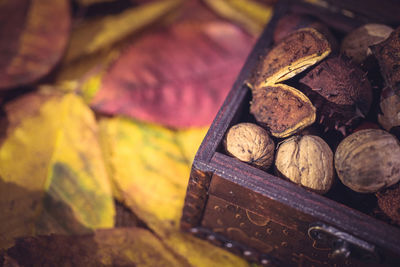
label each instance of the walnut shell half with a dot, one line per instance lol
(282, 109)
(250, 143)
(306, 160)
(295, 53)
(368, 160)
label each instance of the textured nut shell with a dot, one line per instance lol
(294, 54)
(390, 107)
(250, 143)
(345, 92)
(368, 160)
(284, 110)
(388, 55)
(306, 160)
(389, 202)
(356, 44)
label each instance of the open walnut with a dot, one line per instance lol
(282, 109)
(306, 160)
(292, 55)
(340, 91)
(388, 55)
(250, 143)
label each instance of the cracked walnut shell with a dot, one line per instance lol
(250, 143)
(282, 109)
(306, 160)
(292, 55)
(368, 160)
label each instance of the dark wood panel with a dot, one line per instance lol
(255, 189)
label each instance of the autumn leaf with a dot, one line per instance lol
(52, 175)
(251, 15)
(84, 76)
(91, 2)
(111, 247)
(149, 166)
(34, 35)
(178, 76)
(94, 35)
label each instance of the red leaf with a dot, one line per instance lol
(178, 76)
(33, 34)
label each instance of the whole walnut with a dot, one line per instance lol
(356, 44)
(306, 160)
(368, 160)
(390, 109)
(250, 143)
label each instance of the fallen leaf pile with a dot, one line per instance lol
(103, 104)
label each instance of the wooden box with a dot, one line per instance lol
(264, 218)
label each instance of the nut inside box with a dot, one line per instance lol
(268, 219)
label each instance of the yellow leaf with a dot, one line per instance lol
(149, 166)
(251, 15)
(52, 175)
(101, 33)
(111, 247)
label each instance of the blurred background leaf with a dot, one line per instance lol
(177, 76)
(52, 175)
(149, 166)
(30, 46)
(251, 15)
(112, 247)
(167, 66)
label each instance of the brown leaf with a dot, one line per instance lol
(177, 76)
(34, 34)
(52, 175)
(112, 247)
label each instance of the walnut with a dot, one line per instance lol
(282, 109)
(295, 53)
(306, 160)
(356, 44)
(250, 143)
(390, 107)
(368, 160)
(340, 91)
(388, 55)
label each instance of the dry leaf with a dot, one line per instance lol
(112, 247)
(52, 174)
(94, 35)
(91, 2)
(251, 15)
(149, 166)
(177, 76)
(34, 35)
